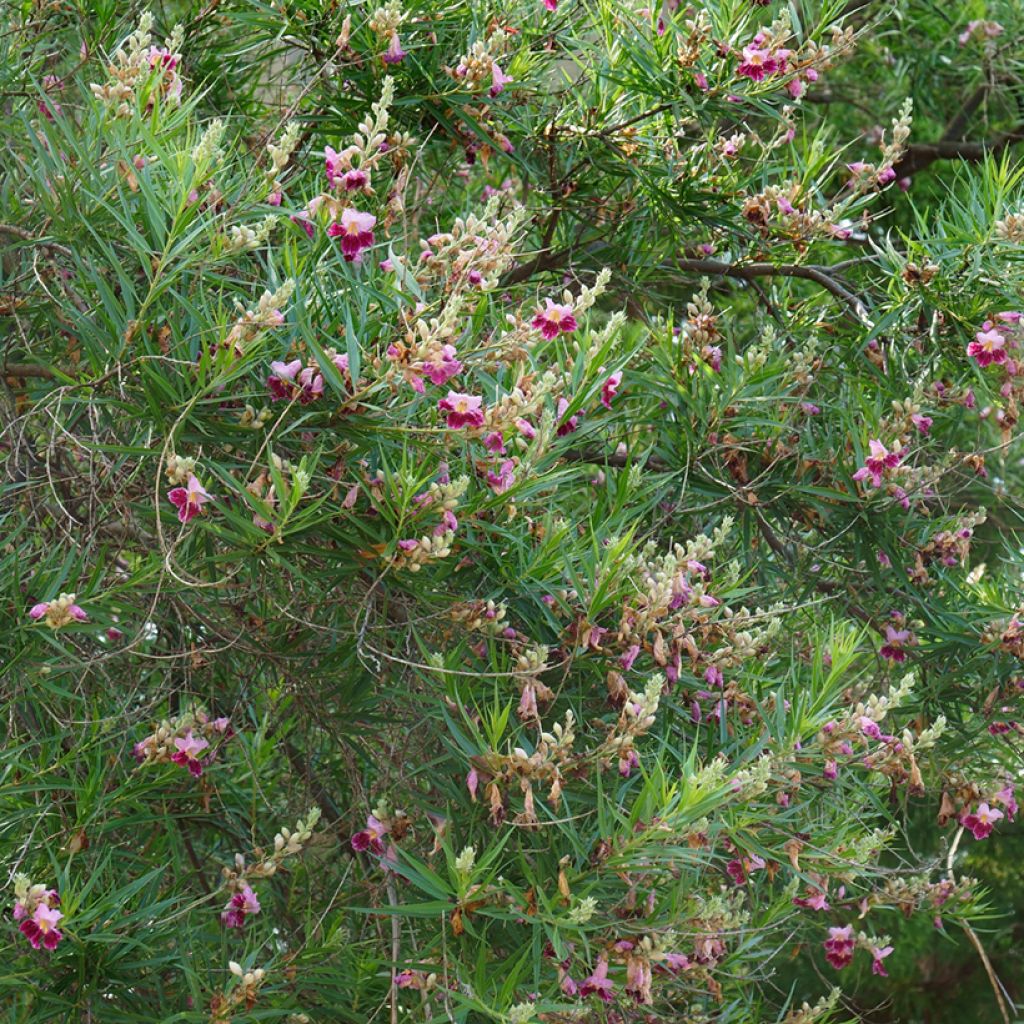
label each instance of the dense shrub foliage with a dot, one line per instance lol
(511, 511)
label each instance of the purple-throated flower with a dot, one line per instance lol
(189, 500)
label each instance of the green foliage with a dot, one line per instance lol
(464, 557)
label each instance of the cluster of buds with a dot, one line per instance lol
(948, 548)
(280, 153)
(866, 176)
(636, 717)
(531, 662)
(179, 468)
(242, 901)
(479, 68)
(911, 893)
(697, 31)
(350, 170)
(240, 997)
(474, 252)
(252, 322)
(818, 1013)
(413, 554)
(699, 336)
(385, 23)
(135, 62)
(1011, 228)
(182, 740)
(242, 238)
(481, 616)
(35, 908)
(61, 611)
(504, 773)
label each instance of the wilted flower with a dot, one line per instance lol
(59, 612)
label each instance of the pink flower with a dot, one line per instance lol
(187, 748)
(501, 481)
(609, 389)
(598, 983)
(876, 464)
(189, 500)
(394, 54)
(443, 367)
(37, 611)
(371, 838)
(526, 428)
(356, 232)
(290, 381)
(757, 63)
(462, 410)
(923, 423)
(839, 947)
(554, 319)
(989, 346)
(877, 967)
(239, 907)
(551, 5)
(569, 425)
(498, 80)
(982, 821)
(40, 929)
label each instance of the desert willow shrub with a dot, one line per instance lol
(544, 452)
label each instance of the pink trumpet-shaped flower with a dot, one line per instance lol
(189, 500)
(462, 410)
(554, 319)
(355, 229)
(187, 747)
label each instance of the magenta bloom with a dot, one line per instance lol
(598, 983)
(444, 367)
(189, 500)
(355, 229)
(371, 838)
(38, 611)
(394, 54)
(551, 5)
(757, 64)
(291, 380)
(876, 464)
(498, 80)
(877, 967)
(566, 425)
(923, 423)
(240, 906)
(982, 821)
(609, 389)
(333, 166)
(501, 481)
(988, 347)
(462, 410)
(41, 928)
(554, 319)
(187, 747)
(839, 947)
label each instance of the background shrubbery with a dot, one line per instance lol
(511, 513)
